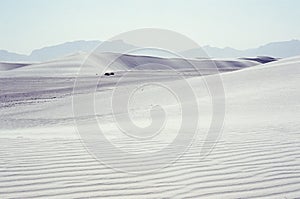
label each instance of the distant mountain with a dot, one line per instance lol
(61, 50)
(53, 52)
(8, 56)
(276, 49)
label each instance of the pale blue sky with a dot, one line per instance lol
(29, 24)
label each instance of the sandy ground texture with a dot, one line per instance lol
(255, 156)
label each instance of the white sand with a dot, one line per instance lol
(257, 155)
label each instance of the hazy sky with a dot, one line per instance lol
(29, 24)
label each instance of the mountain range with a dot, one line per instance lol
(276, 49)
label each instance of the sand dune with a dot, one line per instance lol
(4, 66)
(98, 62)
(257, 155)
